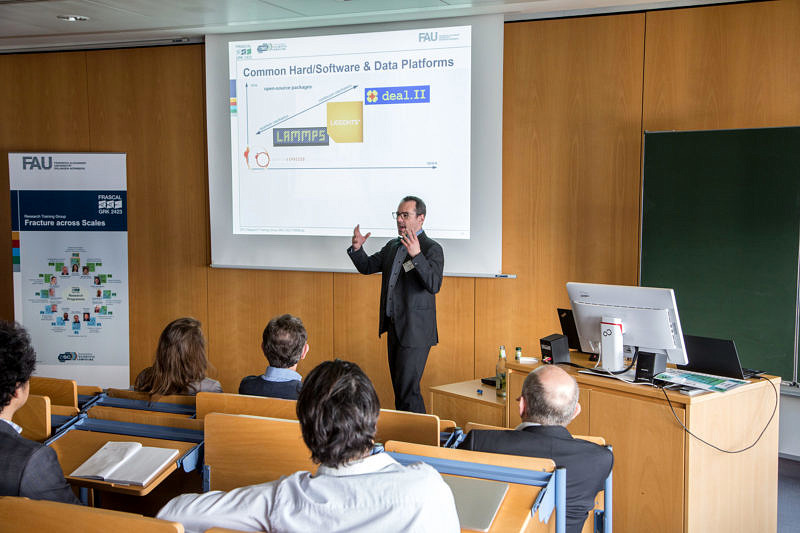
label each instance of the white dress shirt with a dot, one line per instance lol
(372, 494)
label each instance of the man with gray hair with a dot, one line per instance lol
(548, 403)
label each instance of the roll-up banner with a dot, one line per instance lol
(69, 227)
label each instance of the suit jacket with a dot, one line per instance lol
(414, 300)
(587, 464)
(30, 469)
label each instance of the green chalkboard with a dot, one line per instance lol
(721, 225)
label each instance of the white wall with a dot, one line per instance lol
(789, 432)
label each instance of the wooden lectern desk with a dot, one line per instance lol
(664, 479)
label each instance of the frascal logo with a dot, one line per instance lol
(428, 36)
(32, 162)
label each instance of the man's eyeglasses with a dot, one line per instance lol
(405, 215)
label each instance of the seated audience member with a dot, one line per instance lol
(548, 403)
(284, 345)
(27, 468)
(353, 489)
(180, 365)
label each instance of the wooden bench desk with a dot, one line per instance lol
(60, 391)
(34, 418)
(462, 403)
(180, 399)
(22, 514)
(76, 446)
(140, 416)
(243, 404)
(392, 425)
(514, 514)
(246, 450)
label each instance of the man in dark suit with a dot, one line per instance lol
(284, 345)
(27, 468)
(548, 403)
(412, 267)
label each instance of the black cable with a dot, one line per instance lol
(607, 372)
(774, 410)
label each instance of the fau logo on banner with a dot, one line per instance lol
(33, 162)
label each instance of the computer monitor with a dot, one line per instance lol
(649, 318)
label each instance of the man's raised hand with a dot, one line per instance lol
(411, 242)
(359, 239)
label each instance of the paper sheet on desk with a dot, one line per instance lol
(701, 381)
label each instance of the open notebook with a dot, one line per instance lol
(127, 463)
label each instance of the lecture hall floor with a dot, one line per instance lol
(788, 496)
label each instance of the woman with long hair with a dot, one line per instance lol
(180, 364)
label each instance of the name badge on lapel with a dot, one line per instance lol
(408, 266)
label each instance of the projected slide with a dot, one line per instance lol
(326, 129)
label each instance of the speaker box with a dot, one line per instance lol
(649, 365)
(555, 349)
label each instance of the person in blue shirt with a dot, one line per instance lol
(284, 345)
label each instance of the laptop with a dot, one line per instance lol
(568, 328)
(477, 500)
(714, 356)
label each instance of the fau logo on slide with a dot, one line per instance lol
(428, 36)
(32, 162)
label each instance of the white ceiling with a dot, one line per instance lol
(33, 24)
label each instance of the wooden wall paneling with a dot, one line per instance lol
(355, 329)
(148, 102)
(241, 302)
(571, 157)
(356, 301)
(572, 125)
(43, 107)
(728, 66)
(453, 359)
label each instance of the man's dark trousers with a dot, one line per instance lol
(406, 365)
